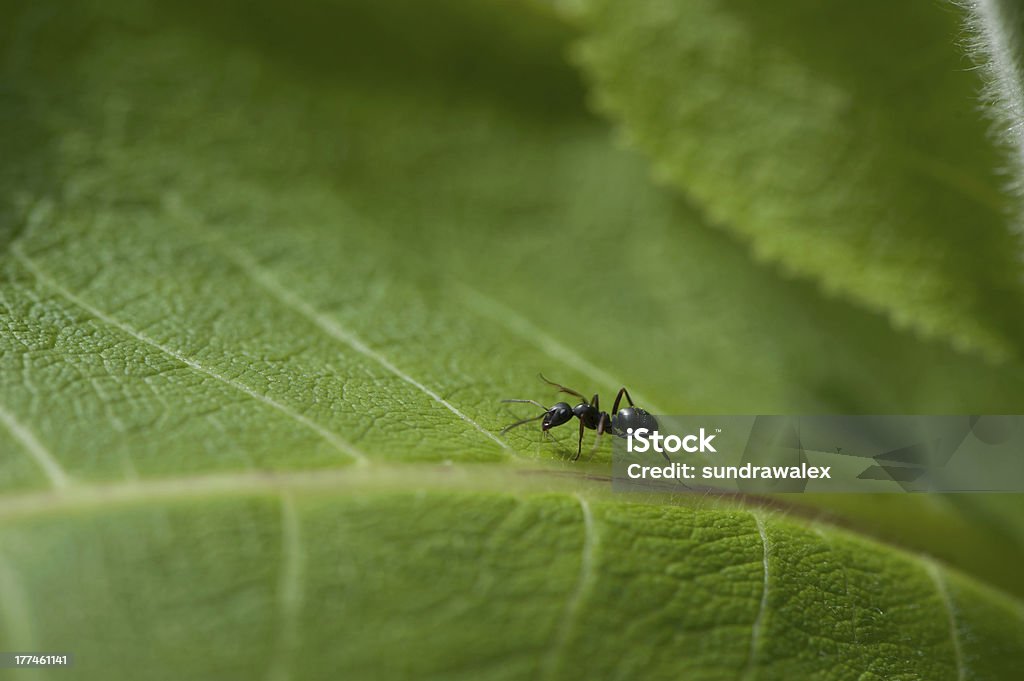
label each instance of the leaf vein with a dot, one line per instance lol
(332, 438)
(335, 330)
(587, 576)
(755, 632)
(947, 600)
(527, 330)
(43, 457)
(17, 611)
(290, 589)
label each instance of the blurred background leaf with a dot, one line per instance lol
(993, 30)
(245, 241)
(843, 143)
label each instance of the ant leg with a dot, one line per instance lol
(547, 434)
(562, 388)
(618, 398)
(604, 425)
(594, 401)
(579, 444)
(519, 423)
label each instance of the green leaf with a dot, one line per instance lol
(266, 272)
(286, 574)
(995, 28)
(842, 143)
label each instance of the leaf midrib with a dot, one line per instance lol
(513, 477)
(379, 477)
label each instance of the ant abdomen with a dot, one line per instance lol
(633, 417)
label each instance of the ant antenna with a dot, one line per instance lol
(528, 402)
(519, 423)
(532, 418)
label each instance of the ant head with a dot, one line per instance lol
(556, 416)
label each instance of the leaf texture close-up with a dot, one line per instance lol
(268, 270)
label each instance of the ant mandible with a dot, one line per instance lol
(589, 414)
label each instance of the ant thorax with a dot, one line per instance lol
(588, 414)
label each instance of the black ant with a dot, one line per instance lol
(590, 415)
